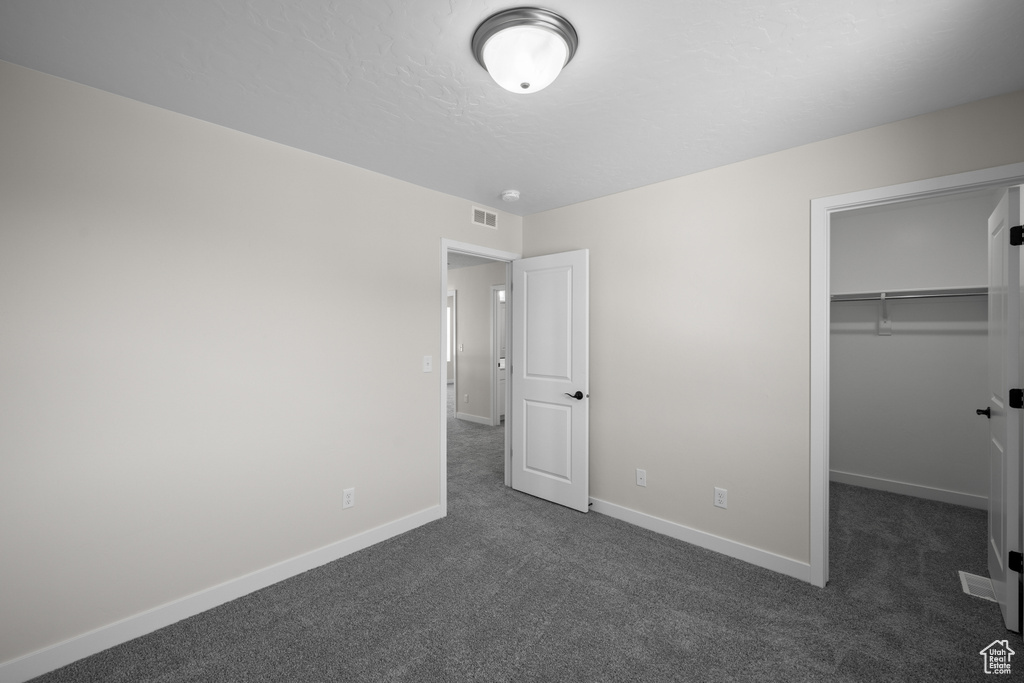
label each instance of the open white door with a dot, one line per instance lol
(1004, 335)
(550, 378)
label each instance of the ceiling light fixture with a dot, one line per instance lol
(510, 195)
(524, 49)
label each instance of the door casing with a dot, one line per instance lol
(820, 319)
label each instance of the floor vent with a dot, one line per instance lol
(977, 586)
(485, 218)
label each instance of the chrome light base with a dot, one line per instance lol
(525, 16)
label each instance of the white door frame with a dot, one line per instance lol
(495, 255)
(821, 212)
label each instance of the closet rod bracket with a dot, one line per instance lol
(884, 322)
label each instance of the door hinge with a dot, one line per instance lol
(1016, 562)
(1017, 235)
(1017, 398)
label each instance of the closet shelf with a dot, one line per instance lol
(945, 292)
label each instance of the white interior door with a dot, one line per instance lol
(550, 378)
(1004, 374)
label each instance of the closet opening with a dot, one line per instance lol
(868, 327)
(908, 349)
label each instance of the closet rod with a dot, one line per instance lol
(921, 294)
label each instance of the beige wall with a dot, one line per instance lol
(938, 242)
(700, 318)
(194, 360)
(473, 376)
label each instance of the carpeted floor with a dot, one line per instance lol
(511, 588)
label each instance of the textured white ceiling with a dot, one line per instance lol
(658, 88)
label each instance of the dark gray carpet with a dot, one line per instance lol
(511, 588)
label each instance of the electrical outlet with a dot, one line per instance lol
(721, 498)
(348, 498)
(641, 477)
(465, 398)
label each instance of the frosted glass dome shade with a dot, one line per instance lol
(525, 48)
(525, 59)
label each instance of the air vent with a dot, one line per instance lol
(977, 586)
(485, 218)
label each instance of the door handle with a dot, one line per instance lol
(578, 395)
(987, 412)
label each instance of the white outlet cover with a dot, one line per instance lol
(721, 498)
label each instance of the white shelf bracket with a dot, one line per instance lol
(884, 322)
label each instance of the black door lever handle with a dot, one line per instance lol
(987, 412)
(578, 395)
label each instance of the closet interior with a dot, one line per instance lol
(909, 347)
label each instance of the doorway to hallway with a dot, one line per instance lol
(546, 396)
(475, 397)
(471, 355)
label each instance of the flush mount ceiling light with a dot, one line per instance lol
(525, 48)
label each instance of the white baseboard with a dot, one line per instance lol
(755, 556)
(53, 657)
(915, 490)
(474, 418)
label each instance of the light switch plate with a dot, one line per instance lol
(428, 363)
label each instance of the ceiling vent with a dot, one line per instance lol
(487, 219)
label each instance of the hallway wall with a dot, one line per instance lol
(473, 375)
